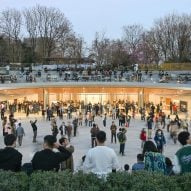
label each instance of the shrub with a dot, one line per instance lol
(184, 182)
(66, 181)
(10, 181)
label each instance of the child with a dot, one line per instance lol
(143, 137)
(126, 167)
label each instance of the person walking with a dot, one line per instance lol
(101, 160)
(20, 133)
(34, 127)
(160, 140)
(113, 129)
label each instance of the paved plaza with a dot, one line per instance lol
(83, 140)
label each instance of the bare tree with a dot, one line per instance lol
(75, 49)
(132, 36)
(173, 34)
(31, 23)
(100, 48)
(46, 27)
(10, 27)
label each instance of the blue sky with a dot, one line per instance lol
(109, 16)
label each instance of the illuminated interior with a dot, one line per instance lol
(98, 94)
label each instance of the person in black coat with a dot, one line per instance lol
(47, 159)
(34, 127)
(10, 158)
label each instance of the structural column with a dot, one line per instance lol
(140, 98)
(46, 98)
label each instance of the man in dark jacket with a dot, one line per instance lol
(34, 127)
(47, 159)
(10, 158)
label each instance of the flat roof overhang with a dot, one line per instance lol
(95, 87)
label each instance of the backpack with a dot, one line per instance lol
(120, 137)
(155, 162)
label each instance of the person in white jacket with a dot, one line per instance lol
(101, 159)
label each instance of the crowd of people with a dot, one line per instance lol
(100, 159)
(133, 74)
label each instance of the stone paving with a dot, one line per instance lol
(83, 140)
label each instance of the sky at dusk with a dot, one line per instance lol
(108, 16)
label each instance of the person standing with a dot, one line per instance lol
(182, 158)
(62, 128)
(69, 163)
(149, 126)
(20, 133)
(101, 160)
(34, 127)
(105, 119)
(54, 127)
(113, 113)
(121, 135)
(113, 129)
(10, 158)
(75, 125)
(68, 129)
(143, 137)
(80, 119)
(48, 114)
(47, 159)
(94, 130)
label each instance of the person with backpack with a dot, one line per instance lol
(154, 160)
(121, 135)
